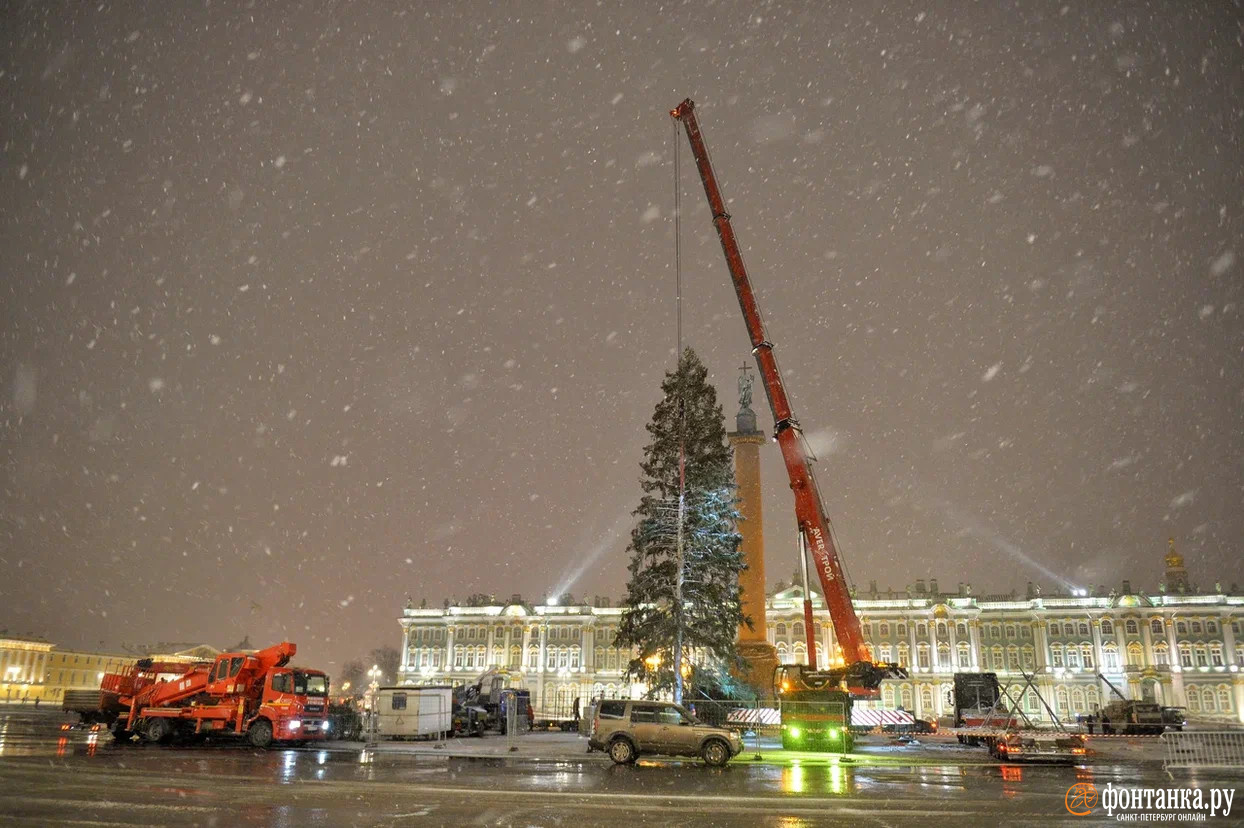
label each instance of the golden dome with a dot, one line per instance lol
(1173, 559)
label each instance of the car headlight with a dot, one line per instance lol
(294, 724)
(326, 724)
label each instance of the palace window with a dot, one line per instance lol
(1086, 655)
(1161, 655)
(1130, 628)
(885, 629)
(1215, 655)
(1185, 654)
(1155, 627)
(965, 661)
(1107, 627)
(1196, 627)
(1056, 655)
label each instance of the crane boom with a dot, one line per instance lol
(809, 508)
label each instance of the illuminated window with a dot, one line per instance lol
(1161, 655)
(1107, 628)
(1130, 628)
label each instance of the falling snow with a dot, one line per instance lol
(301, 303)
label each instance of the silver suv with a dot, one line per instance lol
(625, 729)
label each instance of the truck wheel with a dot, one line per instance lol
(622, 752)
(157, 730)
(260, 734)
(715, 753)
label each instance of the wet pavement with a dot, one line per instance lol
(76, 777)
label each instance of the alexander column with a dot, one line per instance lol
(754, 646)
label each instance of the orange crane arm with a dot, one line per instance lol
(809, 508)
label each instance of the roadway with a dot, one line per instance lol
(48, 777)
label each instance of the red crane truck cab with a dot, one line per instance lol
(295, 701)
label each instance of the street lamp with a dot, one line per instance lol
(375, 675)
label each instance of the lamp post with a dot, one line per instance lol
(375, 675)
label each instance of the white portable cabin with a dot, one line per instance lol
(407, 711)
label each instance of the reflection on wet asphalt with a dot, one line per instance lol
(51, 776)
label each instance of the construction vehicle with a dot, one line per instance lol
(858, 674)
(241, 695)
(1129, 717)
(481, 704)
(985, 714)
(978, 705)
(813, 716)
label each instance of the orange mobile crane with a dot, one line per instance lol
(859, 673)
(251, 695)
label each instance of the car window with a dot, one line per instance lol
(669, 715)
(612, 709)
(643, 714)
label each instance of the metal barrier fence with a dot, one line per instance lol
(1204, 749)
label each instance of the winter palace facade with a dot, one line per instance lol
(1180, 647)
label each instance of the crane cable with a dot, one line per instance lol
(677, 240)
(682, 431)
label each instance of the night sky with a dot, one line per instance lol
(308, 307)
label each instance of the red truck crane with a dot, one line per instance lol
(251, 695)
(860, 674)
